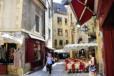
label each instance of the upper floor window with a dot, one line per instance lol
(60, 32)
(66, 33)
(66, 21)
(66, 41)
(49, 33)
(55, 43)
(61, 42)
(37, 23)
(59, 20)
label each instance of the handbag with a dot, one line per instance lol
(93, 68)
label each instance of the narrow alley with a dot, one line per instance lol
(76, 36)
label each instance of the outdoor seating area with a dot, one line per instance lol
(76, 65)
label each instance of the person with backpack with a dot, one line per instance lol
(92, 65)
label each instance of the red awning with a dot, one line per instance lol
(88, 3)
(83, 9)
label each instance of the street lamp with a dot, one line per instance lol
(78, 24)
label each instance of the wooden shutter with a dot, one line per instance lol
(29, 50)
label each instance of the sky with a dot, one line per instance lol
(58, 1)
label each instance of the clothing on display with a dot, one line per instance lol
(18, 58)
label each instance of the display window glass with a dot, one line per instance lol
(37, 51)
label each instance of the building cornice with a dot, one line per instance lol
(40, 4)
(32, 33)
(9, 29)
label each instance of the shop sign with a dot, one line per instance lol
(17, 35)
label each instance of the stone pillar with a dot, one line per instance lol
(71, 54)
(99, 55)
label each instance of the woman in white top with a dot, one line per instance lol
(92, 65)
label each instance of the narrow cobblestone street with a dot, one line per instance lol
(78, 35)
(58, 70)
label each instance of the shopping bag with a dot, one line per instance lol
(44, 69)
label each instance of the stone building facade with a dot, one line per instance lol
(22, 25)
(48, 23)
(72, 22)
(63, 19)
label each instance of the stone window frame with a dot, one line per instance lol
(66, 33)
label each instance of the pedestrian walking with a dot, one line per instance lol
(92, 65)
(49, 62)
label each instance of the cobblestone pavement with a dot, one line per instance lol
(58, 70)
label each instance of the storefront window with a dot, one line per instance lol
(37, 51)
(2, 54)
(7, 53)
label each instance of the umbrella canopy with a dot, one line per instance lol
(60, 51)
(78, 46)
